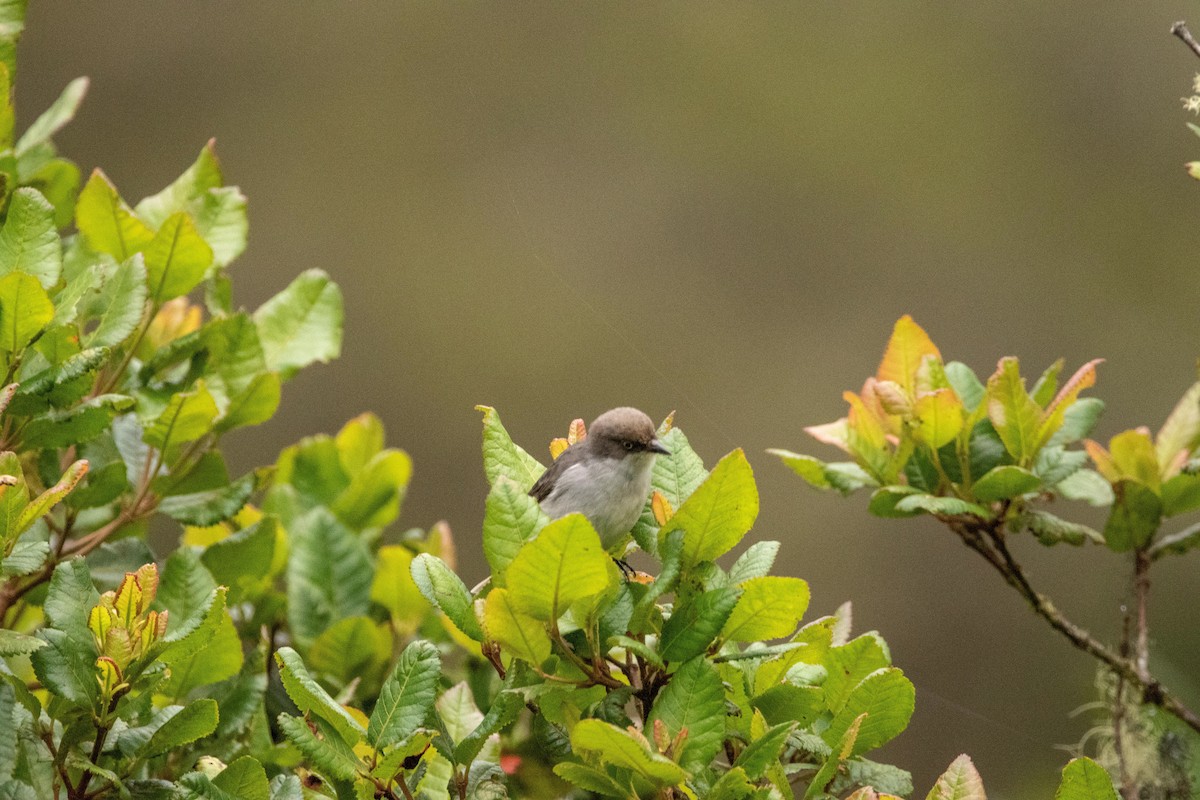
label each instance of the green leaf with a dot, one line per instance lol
(1181, 494)
(887, 698)
(395, 589)
(1054, 464)
(301, 324)
(209, 506)
(221, 218)
(311, 698)
(107, 224)
(242, 561)
(950, 506)
(123, 297)
(732, 785)
(694, 624)
(331, 756)
(565, 563)
(78, 424)
(18, 644)
(1135, 517)
(176, 258)
(1177, 543)
(70, 599)
(25, 309)
(372, 500)
(52, 496)
(185, 589)
(1051, 530)
(202, 175)
(719, 513)
(960, 781)
(965, 384)
(244, 778)
(67, 667)
(812, 470)
(520, 634)
(510, 518)
(1086, 485)
(620, 748)
(1013, 413)
(785, 702)
(694, 700)
(25, 558)
(29, 242)
(1078, 421)
(885, 499)
(590, 779)
(675, 477)
(848, 664)
(502, 456)
(52, 120)
(764, 751)
(58, 180)
(407, 695)
(208, 653)
(1082, 779)
(440, 586)
(505, 709)
(756, 562)
(329, 574)
(194, 721)
(187, 417)
(1005, 482)
(770, 607)
(940, 417)
(256, 404)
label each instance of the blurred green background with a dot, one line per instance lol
(722, 209)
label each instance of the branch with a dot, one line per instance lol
(1180, 29)
(987, 538)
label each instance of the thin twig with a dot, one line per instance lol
(1141, 590)
(995, 551)
(1180, 29)
(1129, 789)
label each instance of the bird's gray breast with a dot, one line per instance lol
(610, 492)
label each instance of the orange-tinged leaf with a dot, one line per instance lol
(1012, 411)
(1052, 418)
(1134, 456)
(1103, 461)
(940, 416)
(667, 424)
(661, 506)
(576, 432)
(864, 424)
(834, 433)
(905, 350)
(558, 447)
(892, 398)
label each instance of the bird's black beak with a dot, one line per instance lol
(656, 446)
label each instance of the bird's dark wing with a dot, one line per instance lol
(545, 484)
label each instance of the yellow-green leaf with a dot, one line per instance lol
(1134, 456)
(518, 633)
(1012, 411)
(107, 224)
(565, 563)
(176, 258)
(770, 607)
(626, 749)
(718, 514)
(25, 309)
(940, 416)
(905, 351)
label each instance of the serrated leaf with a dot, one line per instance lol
(67, 668)
(29, 241)
(849, 664)
(1086, 485)
(302, 324)
(440, 586)
(756, 562)
(939, 417)
(621, 749)
(203, 174)
(176, 258)
(520, 634)
(505, 709)
(965, 384)
(764, 751)
(770, 607)
(908, 346)
(1135, 517)
(694, 700)
(331, 756)
(78, 424)
(221, 218)
(887, 698)
(590, 779)
(718, 513)
(311, 698)
(204, 654)
(242, 561)
(122, 304)
(812, 470)
(674, 477)
(107, 224)
(188, 416)
(69, 600)
(950, 506)
(372, 500)
(25, 309)
(502, 456)
(1005, 482)
(1055, 413)
(1012, 411)
(407, 695)
(244, 778)
(194, 721)
(18, 644)
(694, 624)
(185, 589)
(1051, 530)
(52, 120)
(564, 564)
(510, 519)
(960, 781)
(209, 506)
(786, 702)
(329, 574)
(25, 558)
(395, 589)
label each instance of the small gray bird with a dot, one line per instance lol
(606, 476)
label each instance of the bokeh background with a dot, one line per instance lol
(720, 209)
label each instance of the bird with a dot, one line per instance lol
(605, 476)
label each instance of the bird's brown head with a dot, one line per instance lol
(624, 431)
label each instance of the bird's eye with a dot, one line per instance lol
(628, 445)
